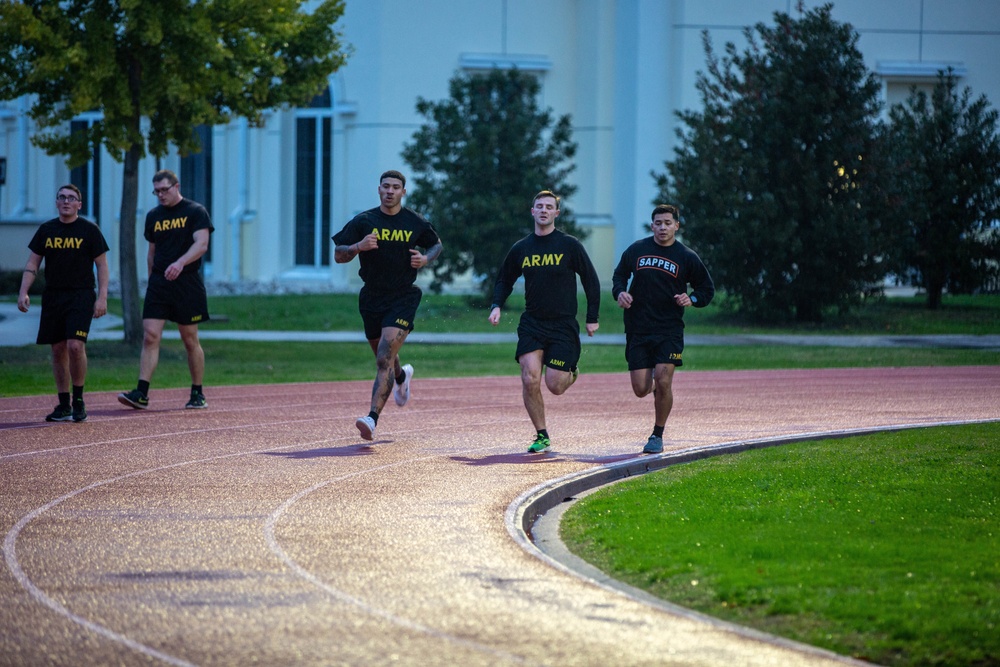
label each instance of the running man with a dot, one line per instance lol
(548, 335)
(661, 269)
(71, 247)
(387, 239)
(178, 232)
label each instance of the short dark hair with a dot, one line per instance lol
(546, 193)
(392, 173)
(165, 175)
(666, 208)
(70, 186)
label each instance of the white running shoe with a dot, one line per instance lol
(366, 426)
(402, 391)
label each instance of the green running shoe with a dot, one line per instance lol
(540, 444)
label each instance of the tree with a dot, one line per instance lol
(479, 160)
(944, 168)
(771, 175)
(155, 71)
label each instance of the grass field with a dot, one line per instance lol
(114, 366)
(883, 547)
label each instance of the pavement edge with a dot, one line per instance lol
(533, 518)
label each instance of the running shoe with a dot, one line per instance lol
(197, 401)
(366, 426)
(540, 444)
(654, 445)
(62, 413)
(134, 399)
(402, 391)
(79, 411)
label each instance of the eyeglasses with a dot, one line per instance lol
(163, 191)
(69, 199)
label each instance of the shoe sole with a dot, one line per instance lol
(406, 383)
(80, 419)
(196, 407)
(532, 450)
(364, 429)
(124, 400)
(67, 418)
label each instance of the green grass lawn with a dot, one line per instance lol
(114, 366)
(451, 313)
(883, 547)
(27, 370)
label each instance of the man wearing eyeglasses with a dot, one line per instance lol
(178, 231)
(71, 247)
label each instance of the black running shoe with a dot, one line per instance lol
(79, 411)
(134, 399)
(62, 413)
(197, 401)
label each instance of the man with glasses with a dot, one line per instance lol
(71, 247)
(178, 231)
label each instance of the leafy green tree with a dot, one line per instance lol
(772, 174)
(478, 161)
(944, 173)
(155, 71)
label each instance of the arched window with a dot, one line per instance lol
(313, 176)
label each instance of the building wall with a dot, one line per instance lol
(620, 68)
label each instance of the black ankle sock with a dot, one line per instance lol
(544, 433)
(374, 416)
(196, 389)
(78, 393)
(63, 398)
(143, 387)
(401, 378)
(658, 431)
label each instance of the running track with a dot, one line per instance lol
(263, 531)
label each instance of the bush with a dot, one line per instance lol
(10, 282)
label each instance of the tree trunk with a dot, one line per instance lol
(934, 295)
(126, 249)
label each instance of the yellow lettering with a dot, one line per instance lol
(165, 225)
(81, 334)
(556, 362)
(196, 318)
(403, 323)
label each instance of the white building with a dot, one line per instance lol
(620, 68)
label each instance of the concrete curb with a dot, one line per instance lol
(533, 521)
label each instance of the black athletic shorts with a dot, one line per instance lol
(388, 310)
(559, 339)
(66, 315)
(183, 300)
(648, 350)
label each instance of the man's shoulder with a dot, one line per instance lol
(413, 215)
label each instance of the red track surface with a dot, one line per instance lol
(263, 529)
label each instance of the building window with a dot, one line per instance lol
(87, 176)
(313, 176)
(196, 175)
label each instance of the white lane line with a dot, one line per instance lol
(10, 550)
